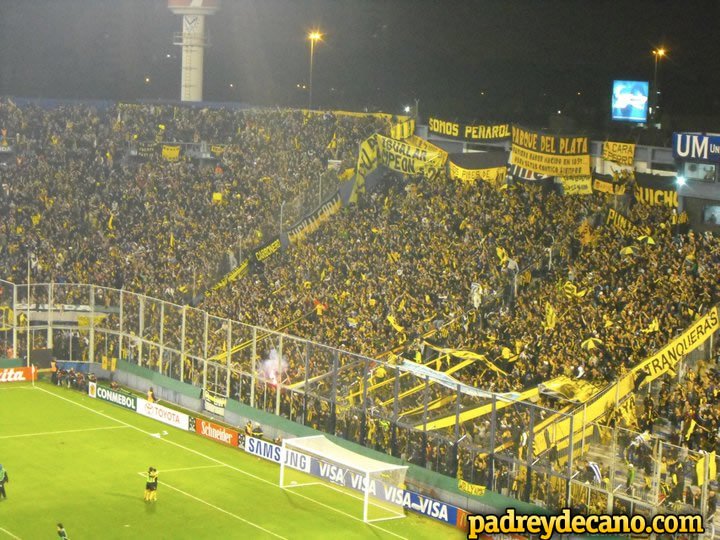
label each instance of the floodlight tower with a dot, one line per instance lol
(193, 41)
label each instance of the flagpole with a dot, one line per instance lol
(27, 314)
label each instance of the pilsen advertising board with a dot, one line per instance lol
(553, 155)
(469, 132)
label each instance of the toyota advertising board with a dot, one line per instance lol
(163, 414)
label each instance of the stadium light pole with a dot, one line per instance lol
(282, 207)
(313, 37)
(658, 54)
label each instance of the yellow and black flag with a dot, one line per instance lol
(332, 145)
(571, 290)
(396, 325)
(550, 316)
(654, 326)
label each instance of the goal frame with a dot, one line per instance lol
(366, 474)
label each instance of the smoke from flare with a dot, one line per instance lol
(274, 366)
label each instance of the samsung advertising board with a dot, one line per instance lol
(630, 101)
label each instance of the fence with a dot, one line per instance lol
(376, 404)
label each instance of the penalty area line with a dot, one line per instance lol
(60, 432)
(11, 535)
(188, 468)
(211, 505)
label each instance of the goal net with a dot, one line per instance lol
(372, 488)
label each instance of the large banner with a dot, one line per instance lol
(468, 132)
(624, 225)
(576, 185)
(234, 274)
(367, 162)
(266, 251)
(312, 221)
(171, 152)
(550, 154)
(146, 149)
(620, 153)
(118, 397)
(667, 358)
(525, 175)
(408, 159)
(494, 175)
(422, 143)
(656, 190)
(607, 185)
(403, 130)
(163, 414)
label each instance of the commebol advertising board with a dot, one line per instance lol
(118, 397)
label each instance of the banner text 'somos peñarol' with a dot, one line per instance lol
(469, 132)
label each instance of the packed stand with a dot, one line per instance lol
(81, 211)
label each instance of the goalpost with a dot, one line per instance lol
(316, 461)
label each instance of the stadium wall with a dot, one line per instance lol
(141, 379)
(11, 362)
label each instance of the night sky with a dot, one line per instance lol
(471, 60)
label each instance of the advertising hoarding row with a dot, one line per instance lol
(270, 451)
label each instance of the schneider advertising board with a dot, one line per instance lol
(118, 397)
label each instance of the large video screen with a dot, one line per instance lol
(630, 101)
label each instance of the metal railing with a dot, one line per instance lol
(376, 404)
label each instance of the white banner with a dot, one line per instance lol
(165, 415)
(215, 404)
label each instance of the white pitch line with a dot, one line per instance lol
(198, 499)
(196, 452)
(60, 432)
(188, 468)
(11, 535)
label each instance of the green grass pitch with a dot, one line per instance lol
(75, 460)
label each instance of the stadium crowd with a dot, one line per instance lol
(81, 211)
(533, 281)
(403, 266)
